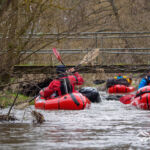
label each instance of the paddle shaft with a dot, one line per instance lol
(56, 53)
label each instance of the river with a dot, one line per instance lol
(109, 125)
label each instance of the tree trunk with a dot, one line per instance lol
(11, 44)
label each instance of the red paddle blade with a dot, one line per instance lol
(127, 99)
(56, 53)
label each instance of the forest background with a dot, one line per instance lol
(21, 20)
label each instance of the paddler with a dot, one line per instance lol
(129, 80)
(63, 84)
(145, 81)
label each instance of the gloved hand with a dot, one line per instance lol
(71, 70)
(42, 92)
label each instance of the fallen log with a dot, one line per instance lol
(7, 118)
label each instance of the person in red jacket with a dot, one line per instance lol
(64, 84)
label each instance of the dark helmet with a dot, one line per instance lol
(60, 69)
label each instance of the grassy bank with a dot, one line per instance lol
(7, 98)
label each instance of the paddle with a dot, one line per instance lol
(87, 58)
(56, 53)
(127, 99)
(90, 56)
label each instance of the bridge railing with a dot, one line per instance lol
(115, 47)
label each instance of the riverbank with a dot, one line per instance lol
(7, 98)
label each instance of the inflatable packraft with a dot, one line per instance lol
(142, 102)
(120, 89)
(70, 101)
(141, 99)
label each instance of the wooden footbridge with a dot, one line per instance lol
(83, 69)
(103, 41)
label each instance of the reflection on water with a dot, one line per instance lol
(107, 125)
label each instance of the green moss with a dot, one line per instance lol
(7, 98)
(31, 65)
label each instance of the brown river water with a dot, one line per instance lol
(109, 125)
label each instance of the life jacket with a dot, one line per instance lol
(65, 86)
(143, 90)
(118, 77)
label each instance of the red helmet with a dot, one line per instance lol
(119, 74)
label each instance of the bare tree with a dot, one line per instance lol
(19, 21)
